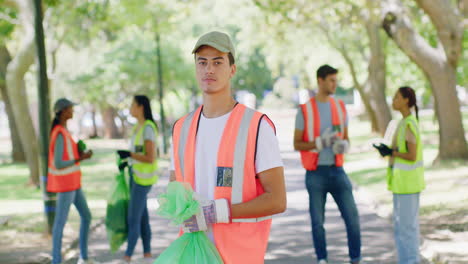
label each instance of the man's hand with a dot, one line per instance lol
(211, 212)
(340, 146)
(326, 140)
(383, 149)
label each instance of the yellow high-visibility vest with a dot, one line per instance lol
(144, 173)
(405, 176)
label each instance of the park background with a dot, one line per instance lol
(100, 53)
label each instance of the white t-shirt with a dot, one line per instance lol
(209, 135)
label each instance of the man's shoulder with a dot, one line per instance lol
(190, 114)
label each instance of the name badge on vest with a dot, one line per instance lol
(224, 177)
(139, 149)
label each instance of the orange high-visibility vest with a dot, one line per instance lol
(244, 240)
(69, 178)
(312, 130)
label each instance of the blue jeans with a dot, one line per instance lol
(333, 180)
(406, 227)
(138, 218)
(64, 200)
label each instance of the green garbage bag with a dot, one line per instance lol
(81, 146)
(178, 205)
(116, 211)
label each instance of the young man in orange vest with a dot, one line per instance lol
(230, 155)
(321, 136)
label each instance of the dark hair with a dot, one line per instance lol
(230, 56)
(408, 92)
(56, 120)
(325, 70)
(144, 101)
(231, 59)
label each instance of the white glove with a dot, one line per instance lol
(326, 140)
(340, 146)
(211, 212)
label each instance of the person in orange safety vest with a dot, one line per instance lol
(230, 156)
(64, 178)
(321, 136)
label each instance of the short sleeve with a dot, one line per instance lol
(149, 133)
(268, 152)
(299, 119)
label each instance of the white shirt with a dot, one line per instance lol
(209, 135)
(210, 131)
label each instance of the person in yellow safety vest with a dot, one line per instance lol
(230, 156)
(64, 178)
(405, 176)
(143, 174)
(321, 136)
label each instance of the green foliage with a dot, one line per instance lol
(253, 74)
(129, 67)
(8, 16)
(78, 23)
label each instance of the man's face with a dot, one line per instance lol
(213, 70)
(328, 85)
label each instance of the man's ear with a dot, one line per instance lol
(233, 70)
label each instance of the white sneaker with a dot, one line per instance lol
(87, 261)
(322, 261)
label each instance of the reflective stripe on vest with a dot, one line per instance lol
(65, 171)
(69, 178)
(408, 167)
(312, 129)
(405, 176)
(144, 173)
(236, 180)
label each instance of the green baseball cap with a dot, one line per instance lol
(218, 40)
(62, 103)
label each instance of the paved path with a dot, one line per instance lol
(290, 240)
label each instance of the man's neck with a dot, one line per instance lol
(322, 97)
(216, 105)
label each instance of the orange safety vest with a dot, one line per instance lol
(69, 178)
(244, 240)
(312, 130)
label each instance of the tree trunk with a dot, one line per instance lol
(108, 117)
(17, 91)
(373, 90)
(377, 70)
(17, 152)
(361, 89)
(451, 132)
(438, 64)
